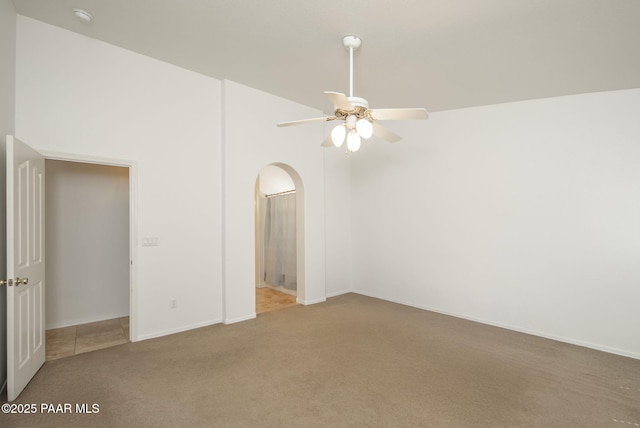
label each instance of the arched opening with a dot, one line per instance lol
(279, 234)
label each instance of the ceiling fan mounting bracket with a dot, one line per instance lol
(351, 42)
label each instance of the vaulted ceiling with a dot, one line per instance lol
(437, 54)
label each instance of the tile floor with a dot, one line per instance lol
(67, 341)
(268, 299)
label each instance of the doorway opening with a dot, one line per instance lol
(279, 198)
(88, 253)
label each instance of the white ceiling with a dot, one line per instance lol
(437, 54)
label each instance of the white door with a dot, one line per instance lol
(25, 265)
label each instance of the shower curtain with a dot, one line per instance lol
(280, 241)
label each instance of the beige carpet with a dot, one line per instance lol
(353, 361)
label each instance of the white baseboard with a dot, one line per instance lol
(176, 330)
(338, 293)
(569, 340)
(311, 302)
(228, 321)
(78, 321)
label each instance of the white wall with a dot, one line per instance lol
(523, 215)
(338, 219)
(7, 67)
(87, 243)
(252, 141)
(7, 118)
(84, 97)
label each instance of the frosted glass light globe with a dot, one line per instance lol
(351, 121)
(364, 128)
(353, 141)
(337, 135)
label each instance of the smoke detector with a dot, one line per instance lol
(83, 16)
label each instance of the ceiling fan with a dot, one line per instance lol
(358, 121)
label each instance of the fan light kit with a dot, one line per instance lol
(358, 121)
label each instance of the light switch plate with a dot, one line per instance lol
(150, 242)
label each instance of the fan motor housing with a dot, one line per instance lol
(358, 102)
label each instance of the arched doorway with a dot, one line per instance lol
(279, 234)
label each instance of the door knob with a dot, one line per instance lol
(23, 281)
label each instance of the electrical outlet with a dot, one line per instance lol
(173, 303)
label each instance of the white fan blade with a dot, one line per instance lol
(300, 122)
(399, 113)
(339, 100)
(385, 134)
(328, 142)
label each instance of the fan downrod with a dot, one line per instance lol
(351, 43)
